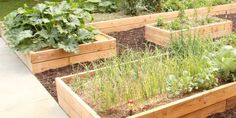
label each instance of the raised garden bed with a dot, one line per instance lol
(200, 104)
(163, 35)
(103, 47)
(125, 24)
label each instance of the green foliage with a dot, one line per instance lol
(136, 7)
(94, 6)
(48, 25)
(173, 5)
(191, 77)
(160, 22)
(183, 22)
(186, 47)
(225, 61)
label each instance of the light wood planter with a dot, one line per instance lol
(199, 105)
(103, 47)
(129, 23)
(163, 37)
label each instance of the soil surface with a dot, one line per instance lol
(47, 78)
(132, 39)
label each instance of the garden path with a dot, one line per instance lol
(21, 94)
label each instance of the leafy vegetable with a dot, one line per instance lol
(225, 61)
(48, 25)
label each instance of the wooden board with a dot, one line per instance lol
(125, 24)
(191, 104)
(104, 47)
(163, 37)
(198, 105)
(207, 111)
(74, 106)
(231, 103)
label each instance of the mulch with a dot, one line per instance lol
(132, 39)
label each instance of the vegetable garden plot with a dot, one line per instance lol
(199, 105)
(103, 47)
(75, 89)
(55, 34)
(162, 35)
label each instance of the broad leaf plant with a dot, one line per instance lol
(48, 25)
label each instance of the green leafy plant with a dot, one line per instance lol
(136, 7)
(93, 6)
(174, 5)
(225, 60)
(48, 25)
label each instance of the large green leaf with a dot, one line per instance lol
(49, 24)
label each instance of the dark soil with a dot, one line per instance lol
(132, 39)
(47, 78)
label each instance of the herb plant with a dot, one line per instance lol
(48, 25)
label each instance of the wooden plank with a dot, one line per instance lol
(190, 104)
(92, 56)
(74, 101)
(103, 43)
(47, 65)
(157, 39)
(231, 103)
(68, 108)
(207, 111)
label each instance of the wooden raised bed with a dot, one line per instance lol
(198, 105)
(125, 24)
(162, 36)
(103, 47)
